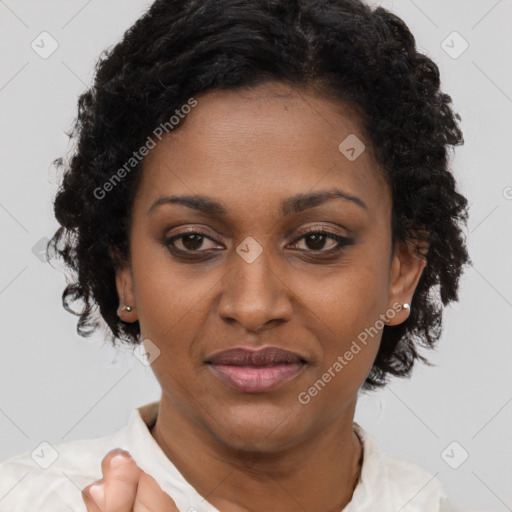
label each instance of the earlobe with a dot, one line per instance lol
(124, 284)
(406, 270)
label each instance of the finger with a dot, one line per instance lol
(120, 475)
(92, 500)
(151, 498)
(116, 491)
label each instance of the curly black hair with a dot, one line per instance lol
(346, 50)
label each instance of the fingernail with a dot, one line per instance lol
(117, 461)
(118, 451)
(97, 492)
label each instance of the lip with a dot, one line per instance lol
(256, 371)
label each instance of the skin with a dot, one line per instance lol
(125, 487)
(250, 150)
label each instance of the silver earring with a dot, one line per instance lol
(406, 306)
(125, 307)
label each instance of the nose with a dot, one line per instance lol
(254, 294)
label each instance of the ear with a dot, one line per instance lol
(125, 288)
(406, 270)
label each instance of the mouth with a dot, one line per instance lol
(251, 371)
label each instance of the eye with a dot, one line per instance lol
(190, 241)
(316, 239)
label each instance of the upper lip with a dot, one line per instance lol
(248, 357)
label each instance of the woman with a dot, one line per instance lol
(260, 200)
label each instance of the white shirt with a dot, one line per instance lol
(387, 483)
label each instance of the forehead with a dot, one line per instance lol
(262, 143)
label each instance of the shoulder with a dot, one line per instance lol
(51, 477)
(414, 488)
(397, 483)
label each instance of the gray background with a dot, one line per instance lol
(57, 386)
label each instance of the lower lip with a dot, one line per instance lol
(251, 379)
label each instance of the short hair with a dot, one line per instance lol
(363, 56)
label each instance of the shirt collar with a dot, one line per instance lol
(150, 458)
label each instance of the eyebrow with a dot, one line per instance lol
(294, 204)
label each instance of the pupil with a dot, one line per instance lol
(318, 241)
(195, 244)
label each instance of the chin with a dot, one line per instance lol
(258, 428)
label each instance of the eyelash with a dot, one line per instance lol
(342, 241)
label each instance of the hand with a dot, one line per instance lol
(125, 488)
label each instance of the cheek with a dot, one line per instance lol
(349, 348)
(169, 300)
(352, 298)
(350, 304)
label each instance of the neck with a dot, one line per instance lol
(318, 474)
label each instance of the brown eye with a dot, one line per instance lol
(315, 240)
(190, 242)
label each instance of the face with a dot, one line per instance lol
(246, 272)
